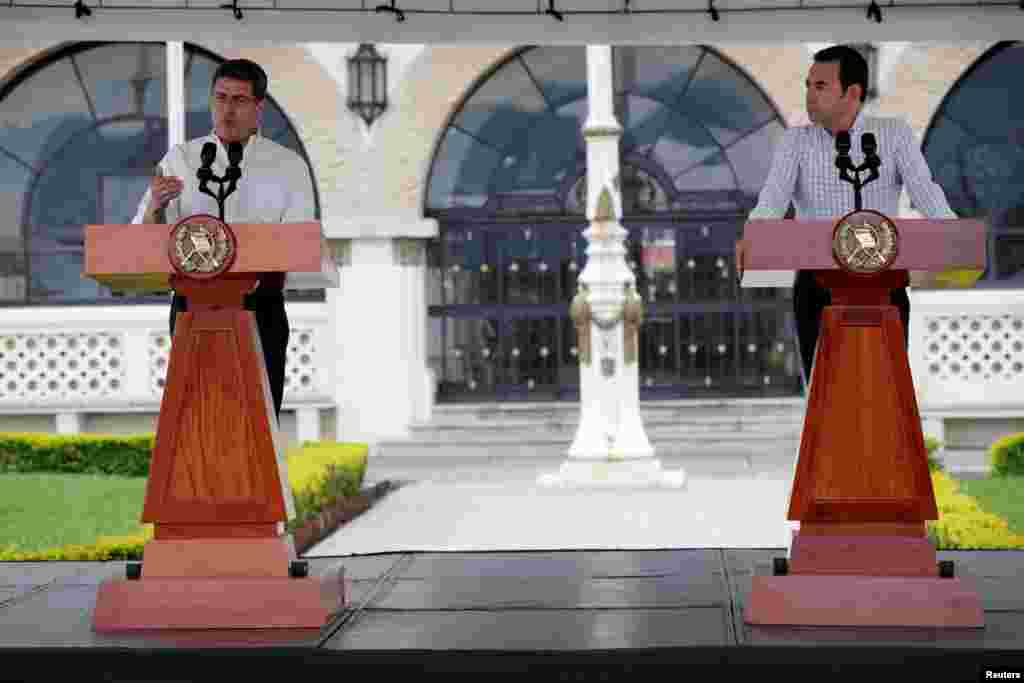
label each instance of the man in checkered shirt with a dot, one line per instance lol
(804, 172)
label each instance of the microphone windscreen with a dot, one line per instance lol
(235, 153)
(868, 144)
(843, 142)
(208, 154)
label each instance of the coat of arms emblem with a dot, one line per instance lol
(865, 242)
(202, 246)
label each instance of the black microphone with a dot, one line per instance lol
(870, 147)
(843, 148)
(207, 156)
(234, 159)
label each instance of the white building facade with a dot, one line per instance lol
(455, 220)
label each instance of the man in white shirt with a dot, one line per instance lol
(274, 188)
(804, 172)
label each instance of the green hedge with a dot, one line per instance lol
(963, 525)
(318, 472)
(932, 444)
(1007, 456)
(125, 456)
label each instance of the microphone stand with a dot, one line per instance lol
(231, 176)
(851, 174)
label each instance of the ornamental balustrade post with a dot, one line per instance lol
(611, 445)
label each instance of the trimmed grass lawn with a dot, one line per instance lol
(1003, 496)
(42, 511)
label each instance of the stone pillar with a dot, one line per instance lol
(307, 424)
(69, 423)
(379, 321)
(611, 446)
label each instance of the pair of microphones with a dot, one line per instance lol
(231, 174)
(868, 145)
(848, 171)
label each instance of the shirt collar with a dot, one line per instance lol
(222, 150)
(857, 127)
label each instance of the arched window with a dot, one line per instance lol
(975, 148)
(507, 186)
(80, 134)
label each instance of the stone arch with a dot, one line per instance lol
(699, 130)
(921, 78)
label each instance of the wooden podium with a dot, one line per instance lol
(862, 491)
(218, 488)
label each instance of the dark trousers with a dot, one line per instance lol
(809, 300)
(272, 323)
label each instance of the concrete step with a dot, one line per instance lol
(722, 447)
(774, 461)
(755, 411)
(541, 433)
(675, 428)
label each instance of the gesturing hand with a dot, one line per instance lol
(163, 189)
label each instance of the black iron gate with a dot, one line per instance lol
(500, 326)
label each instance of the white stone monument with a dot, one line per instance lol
(611, 447)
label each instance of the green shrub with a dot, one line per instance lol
(1007, 455)
(932, 444)
(963, 525)
(126, 456)
(320, 473)
(323, 473)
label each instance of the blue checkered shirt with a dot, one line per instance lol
(804, 171)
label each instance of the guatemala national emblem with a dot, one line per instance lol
(201, 246)
(865, 242)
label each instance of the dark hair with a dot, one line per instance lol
(243, 70)
(853, 68)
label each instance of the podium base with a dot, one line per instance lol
(626, 473)
(216, 603)
(832, 600)
(217, 583)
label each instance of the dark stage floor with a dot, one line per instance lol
(567, 615)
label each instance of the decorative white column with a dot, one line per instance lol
(611, 446)
(175, 93)
(379, 320)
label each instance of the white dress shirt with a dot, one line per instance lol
(804, 171)
(275, 186)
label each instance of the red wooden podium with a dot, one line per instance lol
(218, 490)
(862, 491)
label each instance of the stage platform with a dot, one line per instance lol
(563, 615)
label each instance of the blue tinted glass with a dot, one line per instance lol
(98, 177)
(715, 172)
(986, 101)
(643, 121)
(682, 144)
(725, 101)
(975, 149)
(679, 108)
(41, 114)
(748, 158)
(123, 78)
(96, 115)
(502, 106)
(14, 182)
(542, 150)
(461, 171)
(946, 146)
(560, 72)
(659, 73)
